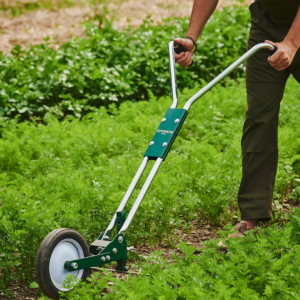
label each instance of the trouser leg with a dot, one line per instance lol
(260, 150)
(265, 88)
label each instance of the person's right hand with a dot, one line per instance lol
(184, 58)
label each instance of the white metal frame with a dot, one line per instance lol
(159, 160)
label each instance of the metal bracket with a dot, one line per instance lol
(116, 250)
(100, 243)
(120, 219)
(166, 133)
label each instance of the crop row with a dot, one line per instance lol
(111, 66)
(261, 267)
(74, 173)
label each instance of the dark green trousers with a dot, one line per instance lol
(265, 88)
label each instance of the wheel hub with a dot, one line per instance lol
(66, 250)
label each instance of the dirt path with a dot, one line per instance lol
(33, 27)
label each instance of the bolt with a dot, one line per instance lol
(107, 257)
(151, 143)
(103, 259)
(163, 120)
(165, 144)
(177, 121)
(106, 238)
(120, 239)
(74, 266)
(114, 251)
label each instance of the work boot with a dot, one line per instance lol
(241, 228)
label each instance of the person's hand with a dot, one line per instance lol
(284, 55)
(184, 58)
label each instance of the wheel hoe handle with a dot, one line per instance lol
(179, 49)
(273, 51)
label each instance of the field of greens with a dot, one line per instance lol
(110, 66)
(75, 125)
(263, 267)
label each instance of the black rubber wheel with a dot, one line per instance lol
(59, 246)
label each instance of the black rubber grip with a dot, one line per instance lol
(273, 51)
(178, 49)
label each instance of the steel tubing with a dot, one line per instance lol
(225, 73)
(141, 196)
(173, 75)
(127, 195)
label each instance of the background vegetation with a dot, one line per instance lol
(112, 66)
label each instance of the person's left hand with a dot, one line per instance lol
(284, 55)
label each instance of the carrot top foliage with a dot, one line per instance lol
(74, 173)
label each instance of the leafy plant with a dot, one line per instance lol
(74, 173)
(111, 66)
(261, 267)
(20, 7)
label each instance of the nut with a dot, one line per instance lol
(74, 266)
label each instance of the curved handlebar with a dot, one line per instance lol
(226, 72)
(214, 81)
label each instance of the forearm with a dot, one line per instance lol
(293, 35)
(202, 10)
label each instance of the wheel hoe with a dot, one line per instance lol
(65, 251)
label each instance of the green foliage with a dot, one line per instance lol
(21, 7)
(111, 66)
(100, 11)
(295, 220)
(73, 174)
(94, 289)
(262, 267)
(295, 163)
(296, 194)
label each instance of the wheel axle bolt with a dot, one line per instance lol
(151, 143)
(177, 121)
(120, 239)
(107, 257)
(165, 144)
(163, 120)
(114, 251)
(74, 266)
(103, 259)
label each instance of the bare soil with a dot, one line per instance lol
(21, 291)
(63, 24)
